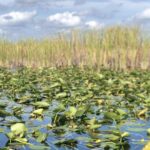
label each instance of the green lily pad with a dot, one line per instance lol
(42, 104)
(61, 95)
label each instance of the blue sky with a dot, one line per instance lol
(21, 19)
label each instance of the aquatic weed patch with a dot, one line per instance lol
(74, 109)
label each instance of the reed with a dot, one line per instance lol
(117, 47)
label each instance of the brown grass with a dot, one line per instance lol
(114, 48)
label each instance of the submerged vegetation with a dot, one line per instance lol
(114, 47)
(74, 109)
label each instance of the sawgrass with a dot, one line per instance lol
(117, 47)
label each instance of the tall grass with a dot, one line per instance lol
(117, 47)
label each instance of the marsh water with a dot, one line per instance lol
(74, 109)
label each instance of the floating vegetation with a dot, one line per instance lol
(74, 109)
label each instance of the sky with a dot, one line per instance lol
(21, 19)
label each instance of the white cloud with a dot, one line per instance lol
(28, 2)
(144, 15)
(66, 18)
(94, 24)
(6, 2)
(16, 17)
(2, 32)
(37, 27)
